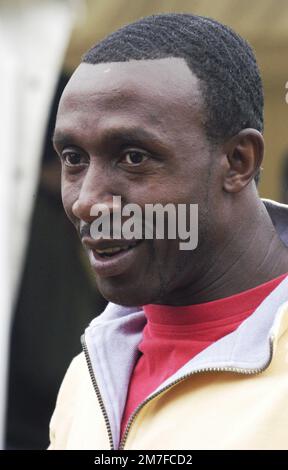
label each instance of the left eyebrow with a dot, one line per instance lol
(136, 135)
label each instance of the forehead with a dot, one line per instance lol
(163, 94)
(167, 80)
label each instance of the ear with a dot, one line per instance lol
(244, 154)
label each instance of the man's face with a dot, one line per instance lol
(134, 129)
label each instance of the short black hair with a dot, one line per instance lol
(49, 154)
(223, 62)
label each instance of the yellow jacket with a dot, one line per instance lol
(233, 395)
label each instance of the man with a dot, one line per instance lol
(170, 110)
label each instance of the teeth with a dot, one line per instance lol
(109, 250)
(115, 249)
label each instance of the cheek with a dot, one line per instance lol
(70, 194)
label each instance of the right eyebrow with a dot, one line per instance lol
(61, 139)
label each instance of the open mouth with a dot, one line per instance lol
(112, 257)
(112, 251)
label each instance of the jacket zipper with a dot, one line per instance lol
(236, 370)
(97, 391)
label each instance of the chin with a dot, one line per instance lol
(127, 296)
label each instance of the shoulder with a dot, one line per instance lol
(76, 377)
(77, 369)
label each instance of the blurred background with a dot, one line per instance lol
(47, 291)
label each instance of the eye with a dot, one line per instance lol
(73, 159)
(134, 157)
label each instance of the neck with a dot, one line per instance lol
(253, 255)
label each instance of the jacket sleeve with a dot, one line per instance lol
(62, 417)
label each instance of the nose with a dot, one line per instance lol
(96, 193)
